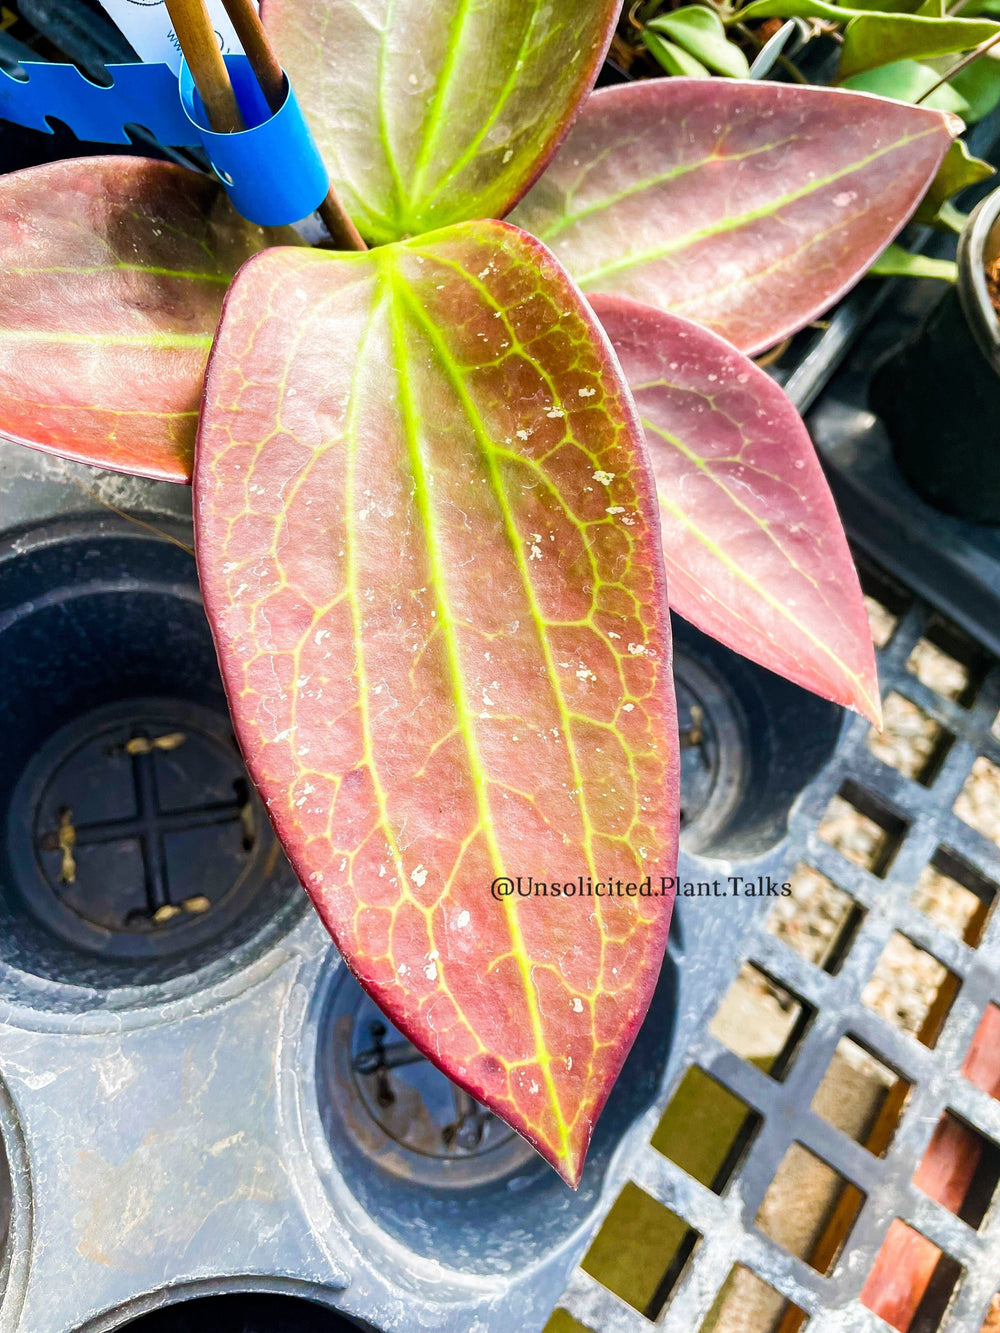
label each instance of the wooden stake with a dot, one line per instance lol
(267, 68)
(201, 51)
(258, 50)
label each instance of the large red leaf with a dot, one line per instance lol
(114, 270)
(748, 207)
(428, 541)
(431, 114)
(755, 552)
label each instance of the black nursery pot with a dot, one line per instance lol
(940, 395)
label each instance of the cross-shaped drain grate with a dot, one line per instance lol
(141, 821)
(148, 828)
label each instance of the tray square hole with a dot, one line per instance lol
(706, 1129)
(960, 1169)
(912, 989)
(863, 829)
(862, 1096)
(911, 741)
(641, 1251)
(762, 1021)
(978, 803)
(982, 1060)
(886, 601)
(949, 662)
(809, 1208)
(956, 896)
(818, 919)
(561, 1321)
(748, 1304)
(912, 1281)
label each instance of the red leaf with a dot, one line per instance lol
(755, 552)
(431, 114)
(748, 207)
(114, 273)
(428, 541)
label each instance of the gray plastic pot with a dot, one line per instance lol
(939, 396)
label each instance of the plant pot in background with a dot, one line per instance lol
(939, 396)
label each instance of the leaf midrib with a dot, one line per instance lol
(676, 172)
(725, 225)
(157, 341)
(432, 335)
(774, 603)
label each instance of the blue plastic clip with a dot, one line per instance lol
(272, 170)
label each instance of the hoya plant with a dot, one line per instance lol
(446, 488)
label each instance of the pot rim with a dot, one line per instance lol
(972, 289)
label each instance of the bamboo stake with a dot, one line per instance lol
(201, 51)
(270, 76)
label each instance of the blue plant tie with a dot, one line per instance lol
(272, 170)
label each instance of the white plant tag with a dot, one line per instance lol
(146, 25)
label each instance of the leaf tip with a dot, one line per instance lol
(866, 696)
(568, 1162)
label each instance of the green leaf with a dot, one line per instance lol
(674, 59)
(426, 115)
(823, 9)
(701, 33)
(871, 40)
(894, 262)
(979, 84)
(893, 6)
(795, 9)
(428, 541)
(908, 81)
(958, 170)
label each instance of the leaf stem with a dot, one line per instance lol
(960, 65)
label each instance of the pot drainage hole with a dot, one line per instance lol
(424, 1122)
(243, 1313)
(135, 828)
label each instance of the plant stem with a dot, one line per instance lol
(961, 64)
(201, 51)
(271, 77)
